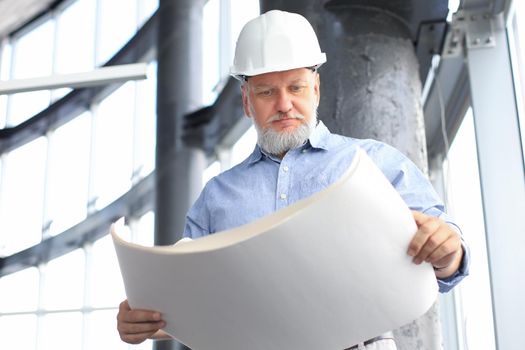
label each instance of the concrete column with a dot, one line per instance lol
(370, 85)
(179, 89)
(375, 85)
(370, 88)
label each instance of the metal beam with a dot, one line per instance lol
(448, 94)
(489, 6)
(100, 76)
(502, 176)
(447, 99)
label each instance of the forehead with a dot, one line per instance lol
(281, 78)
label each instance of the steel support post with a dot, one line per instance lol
(500, 155)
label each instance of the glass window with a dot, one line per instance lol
(5, 61)
(68, 174)
(23, 196)
(145, 123)
(19, 292)
(146, 9)
(61, 331)
(2, 246)
(210, 50)
(212, 170)
(114, 145)
(244, 146)
(107, 288)
(241, 12)
(75, 38)
(3, 110)
(18, 332)
(124, 133)
(36, 43)
(102, 332)
(5, 68)
(518, 48)
(114, 34)
(145, 230)
(64, 282)
(465, 205)
(453, 6)
(24, 105)
(75, 49)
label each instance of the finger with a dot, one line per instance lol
(444, 262)
(444, 255)
(432, 244)
(124, 306)
(126, 314)
(137, 328)
(419, 217)
(424, 232)
(137, 316)
(136, 338)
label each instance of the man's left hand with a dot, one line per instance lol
(437, 243)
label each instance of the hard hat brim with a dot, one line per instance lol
(315, 62)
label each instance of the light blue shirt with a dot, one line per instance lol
(263, 183)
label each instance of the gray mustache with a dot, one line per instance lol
(285, 116)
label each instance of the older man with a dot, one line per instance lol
(276, 59)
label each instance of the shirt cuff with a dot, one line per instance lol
(446, 284)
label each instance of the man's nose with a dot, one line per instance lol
(284, 102)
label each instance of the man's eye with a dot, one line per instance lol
(265, 93)
(296, 88)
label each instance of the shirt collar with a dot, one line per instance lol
(256, 155)
(319, 139)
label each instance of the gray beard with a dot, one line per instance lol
(277, 143)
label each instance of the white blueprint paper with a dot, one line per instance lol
(324, 273)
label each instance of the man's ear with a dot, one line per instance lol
(244, 92)
(317, 88)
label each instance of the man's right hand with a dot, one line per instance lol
(135, 326)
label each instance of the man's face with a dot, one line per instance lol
(283, 105)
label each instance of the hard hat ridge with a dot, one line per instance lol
(276, 41)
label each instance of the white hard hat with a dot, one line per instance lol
(276, 41)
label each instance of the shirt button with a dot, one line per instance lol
(283, 196)
(304, 150)
(285, 168)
